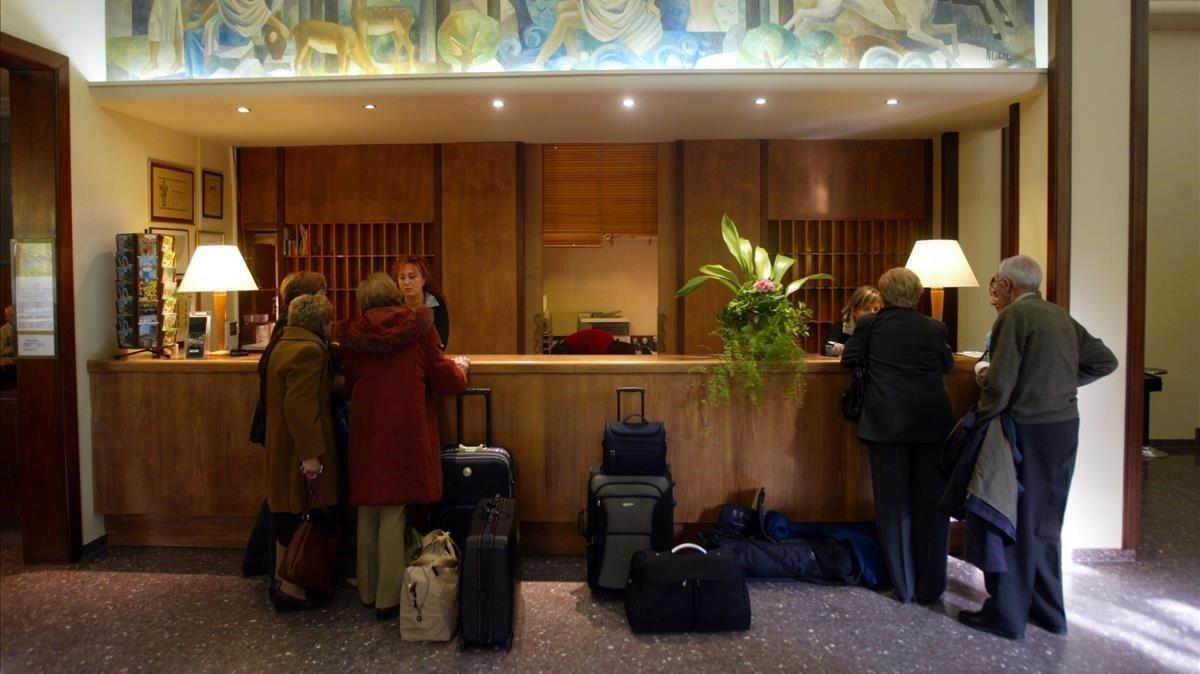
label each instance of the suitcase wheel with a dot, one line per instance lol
(508, 644)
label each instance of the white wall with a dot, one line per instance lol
(109, 183)
(1173, 232)
(978, 231)
(1099, 260)
(619, 275)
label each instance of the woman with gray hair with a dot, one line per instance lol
(906, 415)
(394, 367)
(300, 433)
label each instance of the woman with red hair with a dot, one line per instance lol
(416, 285)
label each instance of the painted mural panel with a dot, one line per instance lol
(199, 39)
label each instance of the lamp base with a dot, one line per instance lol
(936, 298)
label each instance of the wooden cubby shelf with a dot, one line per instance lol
(348, 252)
(855, 251)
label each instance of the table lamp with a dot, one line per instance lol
(217, 269)
(940, 263)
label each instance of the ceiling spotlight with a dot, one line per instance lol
(893, 101)
(760, 101)
(243, 109)
(497, 103)
(369, 106)
(628, 102)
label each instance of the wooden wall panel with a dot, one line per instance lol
(848, 179)
(359, 183)
(482, 250)
(258, 187)
(717, 177)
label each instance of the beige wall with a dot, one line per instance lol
(109, 182)
(1099, 261)
(1173, 232)
(619, 275)
(978, 231)
(1035, 132)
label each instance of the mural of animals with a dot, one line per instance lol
(201, 39)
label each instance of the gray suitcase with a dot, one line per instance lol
(624, 514)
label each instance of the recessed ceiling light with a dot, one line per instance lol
(893, 101)
(760, 101)
(243, 109)
(497, 103)
(628, 102)
(369, 106)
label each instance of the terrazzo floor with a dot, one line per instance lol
(180, 610)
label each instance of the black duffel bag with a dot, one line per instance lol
(821, 560)
(703, 592)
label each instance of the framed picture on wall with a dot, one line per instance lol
(172, 193)
(208, 237)
(183, 246)
(213, 198)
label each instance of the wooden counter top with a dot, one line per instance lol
(482, 364)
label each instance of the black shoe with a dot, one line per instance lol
(286, 603)
(1053, 628)
(929, 602)
(385, 614)
(976, 621)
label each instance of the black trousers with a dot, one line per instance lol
(915, 536)
(1032, 585)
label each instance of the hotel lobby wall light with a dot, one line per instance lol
(893, 101)
(243, 109)
(760, 101)
(497, 103)
(369, 106)
(628, 102)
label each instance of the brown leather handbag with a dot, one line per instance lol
(310, 558)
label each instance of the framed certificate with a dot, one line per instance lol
(172, 193)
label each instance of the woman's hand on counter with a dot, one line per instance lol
(463, 363)
(311, 468)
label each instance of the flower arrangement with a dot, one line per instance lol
(760, 329)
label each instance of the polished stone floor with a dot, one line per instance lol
(189, 610)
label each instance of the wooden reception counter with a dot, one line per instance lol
(172, 465)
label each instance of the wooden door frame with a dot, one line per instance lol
(52, 523)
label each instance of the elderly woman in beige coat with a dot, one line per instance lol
(299, 377)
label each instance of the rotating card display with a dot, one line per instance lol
(146, 314)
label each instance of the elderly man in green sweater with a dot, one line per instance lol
(1040, 356)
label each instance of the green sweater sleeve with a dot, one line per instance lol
(1095, 359)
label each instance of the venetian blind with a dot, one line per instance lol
(590, 190)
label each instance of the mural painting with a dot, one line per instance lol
(201, 39)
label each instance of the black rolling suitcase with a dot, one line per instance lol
(470, 473)
(633, 445)
(625, 513)
(489, 574)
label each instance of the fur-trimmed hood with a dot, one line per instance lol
(387, 329)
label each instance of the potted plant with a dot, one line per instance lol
(761, 328)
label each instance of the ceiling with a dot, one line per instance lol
(577, 108)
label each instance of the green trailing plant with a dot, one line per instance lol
(761, 328)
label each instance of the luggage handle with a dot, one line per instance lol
(458, 406)
(641, 394)
(693, 546)
(581, 524)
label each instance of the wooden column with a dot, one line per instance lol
(1010, 189)
(481, 245)
(1058, 222)
(717, 177)
(950, 225)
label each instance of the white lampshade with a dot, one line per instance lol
(217, 268)
(940, 263)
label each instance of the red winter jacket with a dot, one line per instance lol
(393, 366)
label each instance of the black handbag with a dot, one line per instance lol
(853, 397)
(634, 445)
(668, 592)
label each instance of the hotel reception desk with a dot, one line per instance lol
(172, 465)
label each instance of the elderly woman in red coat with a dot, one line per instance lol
(394, 364)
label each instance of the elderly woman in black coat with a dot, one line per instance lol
(905, 418)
